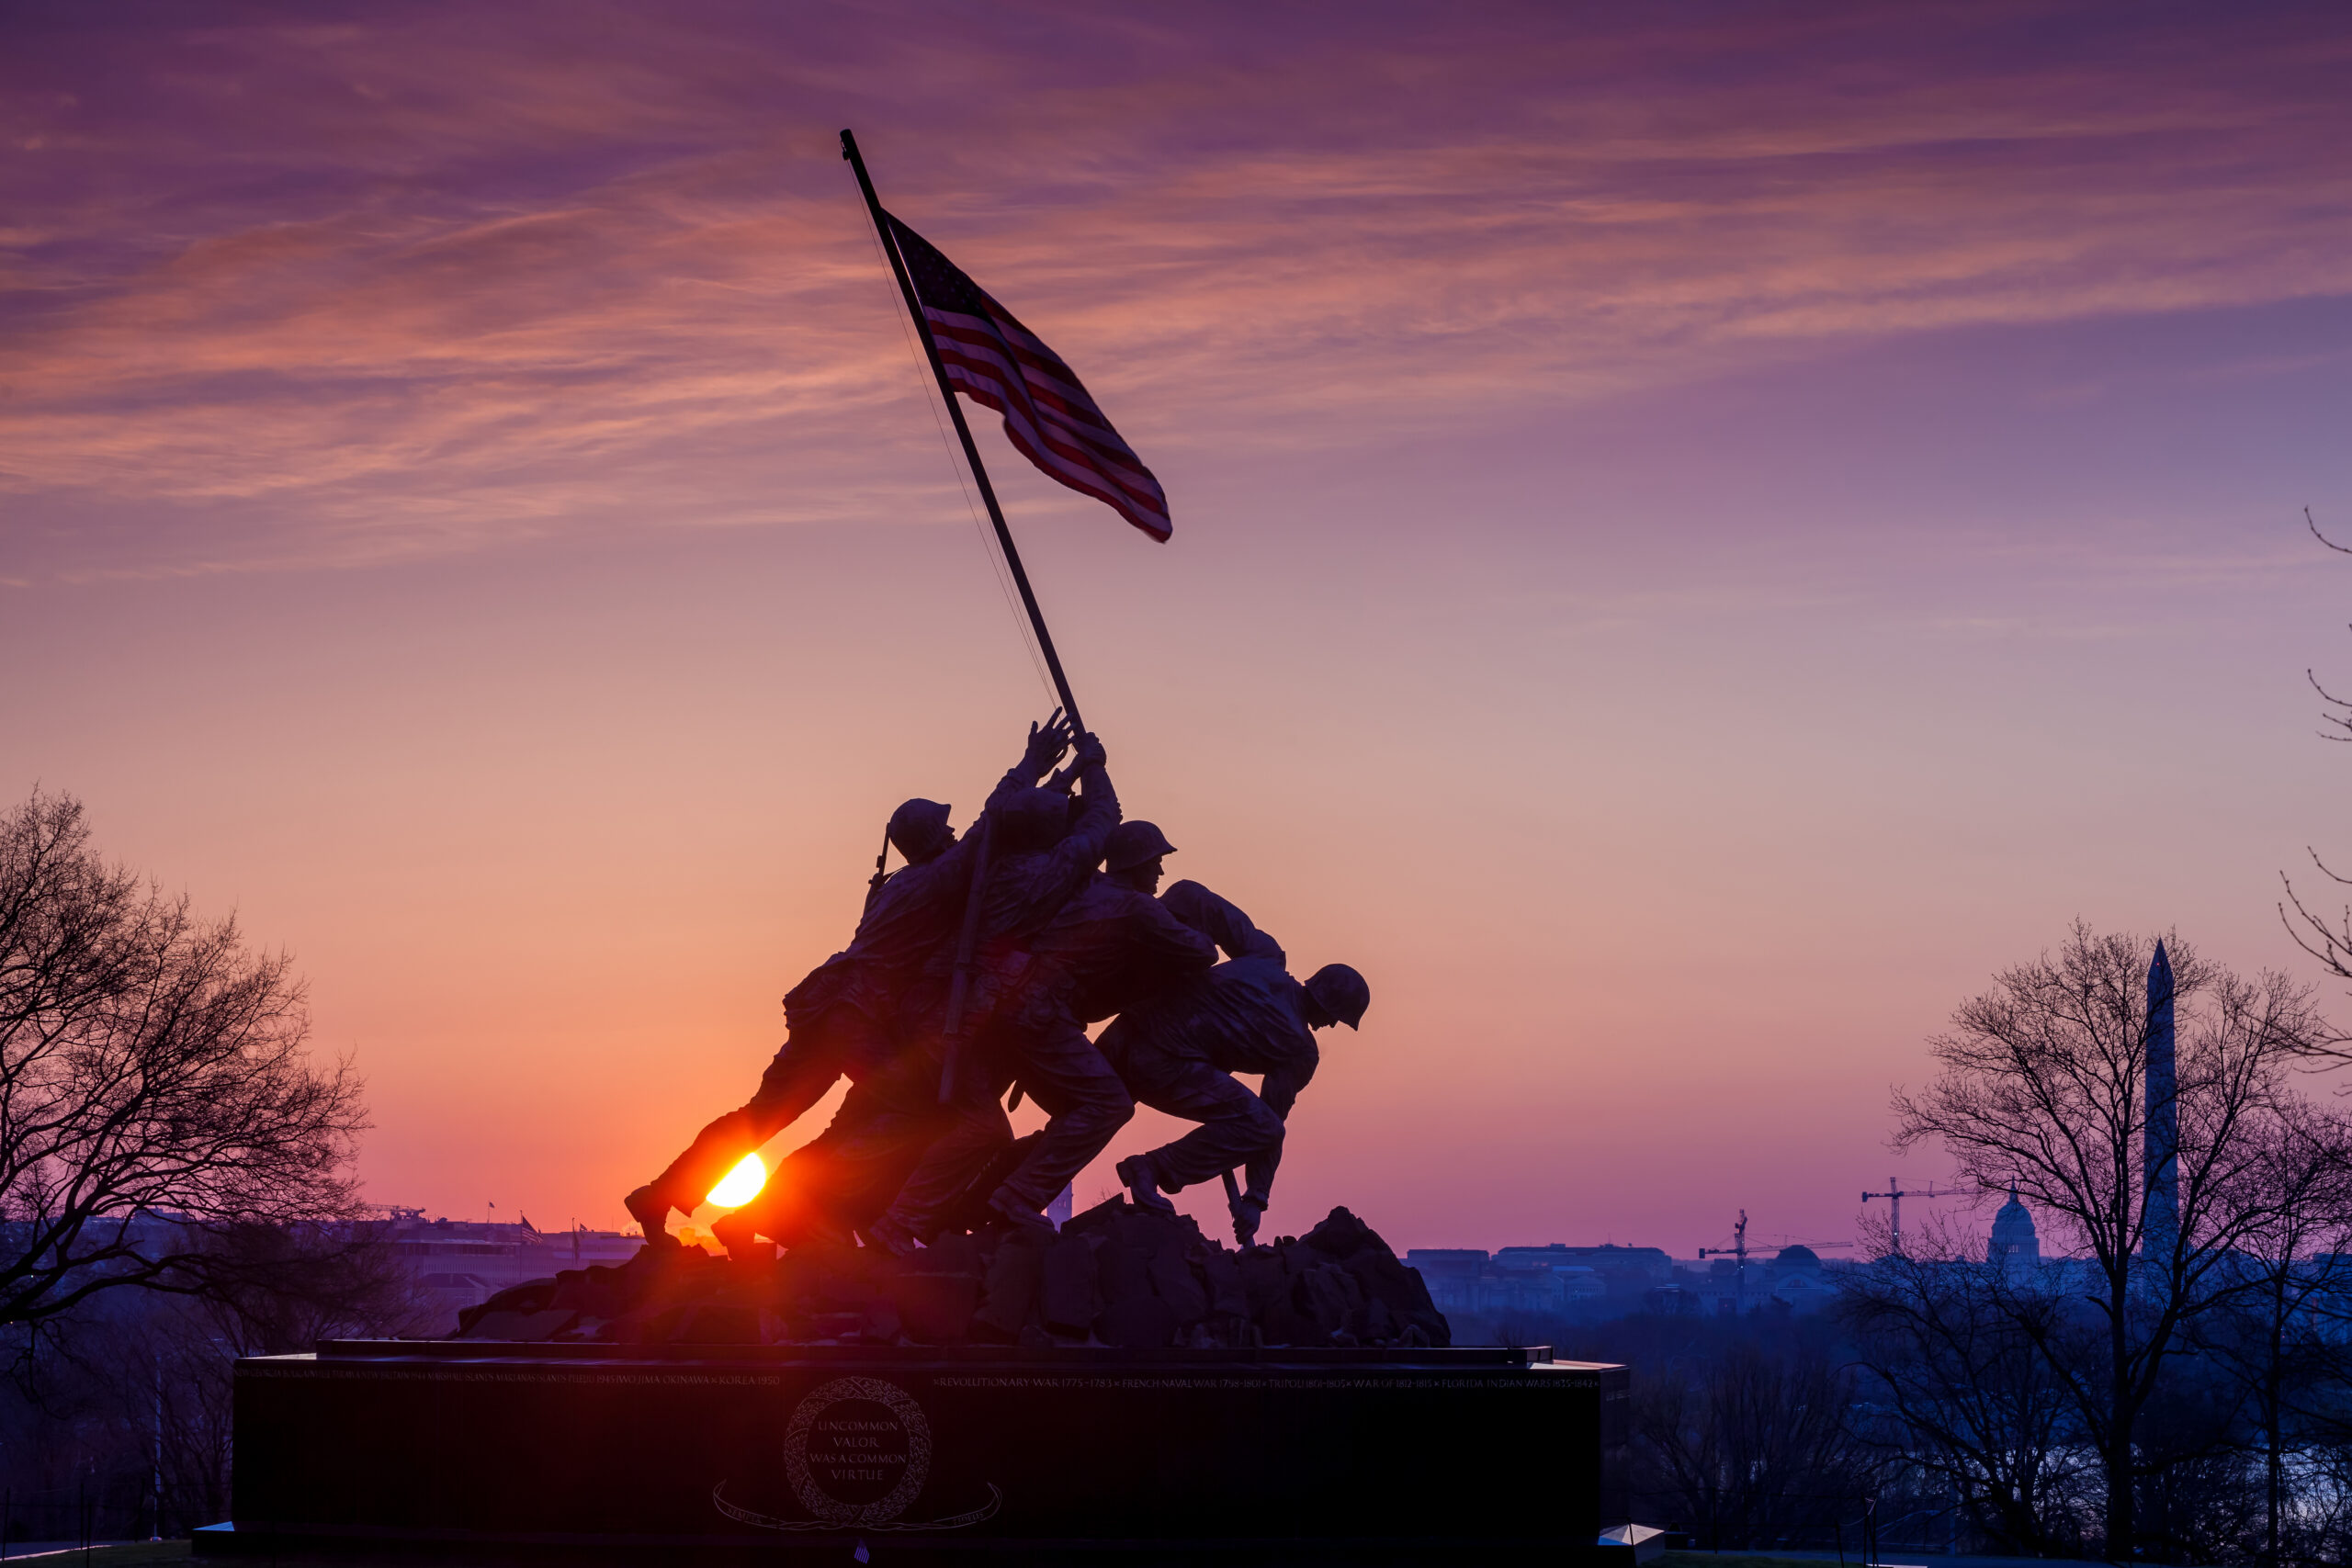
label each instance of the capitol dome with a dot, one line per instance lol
(2014, 1243)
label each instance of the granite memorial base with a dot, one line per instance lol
(895, 1455)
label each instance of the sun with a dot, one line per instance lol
(741, 1185)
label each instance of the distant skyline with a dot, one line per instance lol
(1699, 536)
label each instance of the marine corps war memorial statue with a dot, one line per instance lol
(891, 1353)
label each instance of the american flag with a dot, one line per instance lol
(993, 359)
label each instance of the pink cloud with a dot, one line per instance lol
(407, 289)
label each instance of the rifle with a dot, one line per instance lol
(1233, 1201)
(874, 884)
(1062, 783)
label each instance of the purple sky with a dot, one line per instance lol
(1698, 537)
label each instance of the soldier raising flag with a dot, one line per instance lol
(982, 963)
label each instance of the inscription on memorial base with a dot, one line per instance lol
(1363, 1452)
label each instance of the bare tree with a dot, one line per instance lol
(1970, 1397)
(131, 1395)
(154, 1086)
(1749, 1444)
(2275, 1335)
(2044, 1087)
(2325, 937)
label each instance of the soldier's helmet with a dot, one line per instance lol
(1132, 843)
(919, 829)
(1340, 991)
(1031, 821)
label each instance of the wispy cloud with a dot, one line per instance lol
(341, 291)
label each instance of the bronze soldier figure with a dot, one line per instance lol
(839, 1020)
(1017, 1024)
(1178, 1050)
(1113, 945)
(1108, 948)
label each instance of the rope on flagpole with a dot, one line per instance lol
(964, 432)
(971, 509)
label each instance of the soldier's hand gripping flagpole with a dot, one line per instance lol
(966, 938)
(974, 345)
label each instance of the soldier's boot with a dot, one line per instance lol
(739, 1236)
(651, 1212)
(1142, 1179)
(1018, 1217)
(891, 1238)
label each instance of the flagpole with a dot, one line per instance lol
(963, 432)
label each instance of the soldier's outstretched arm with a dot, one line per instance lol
(794, 1081)
(1279, 1089)
(1261, 1172)
(1167, 943)
(1064, 869)
(1046, 743)
(1098, 811)
(791, 1086)
(1221, 920)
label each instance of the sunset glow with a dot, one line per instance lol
(741, 1185)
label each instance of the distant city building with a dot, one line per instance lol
(1797, 1282)
(1649, 1262)
(1673, 1301)
(2014, 1245)
(1466, 1279)
(1451, 1274)
(460, 1263)
(1552, 1280)
(1536, 1282)
(1592, 1284)
(1723, 1288)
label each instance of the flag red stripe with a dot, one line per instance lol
(1039, 370)
(1143, 508)
(985, 376)
(1067, 398)
(1048, 415)
(1081, 443)
(1139, 506)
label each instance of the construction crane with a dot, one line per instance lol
(1894, 1196)
(1738, 1249)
